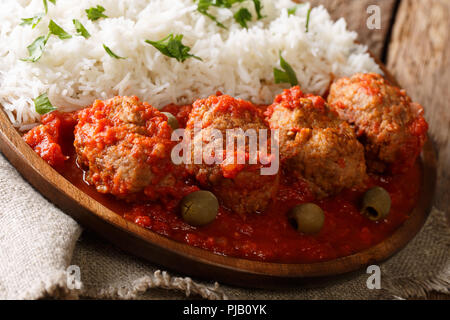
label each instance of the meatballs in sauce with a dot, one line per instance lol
(321, 205)
(391, 126)
(315, 144)
(240, 186)
(125, 145)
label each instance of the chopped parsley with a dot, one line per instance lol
(203, 6)
(36, 49)
(81, 30)
(292, 11)
(286, 76)
(242, 16)
(112, 54)
(258, 8)
(46, 4)
(42, 104)
(225, 3)
(95, 13)
(33, 21)
(53, 28)
(171, 46)
(307, 20)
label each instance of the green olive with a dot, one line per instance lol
(307, 218)
(172, 120)
(376, 204)
(199, 208)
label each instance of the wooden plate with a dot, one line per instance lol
(194, 261)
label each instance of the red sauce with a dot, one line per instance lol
(269, 236)
(47, 138)
(180, 112)
(294, 98)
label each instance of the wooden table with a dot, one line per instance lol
(413, 42)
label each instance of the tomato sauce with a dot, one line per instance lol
(48, 138)
(268, 236)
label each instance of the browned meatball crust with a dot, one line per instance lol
(387, 122)
(125, 147)
(241, 187)
(315, 145)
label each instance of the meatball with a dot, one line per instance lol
(125, 145)
(315, 145)
(241, 187)
(390, 126)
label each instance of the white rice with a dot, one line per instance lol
(237, 61)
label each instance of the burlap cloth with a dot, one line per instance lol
(38, 242)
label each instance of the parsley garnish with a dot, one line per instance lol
(112, 54)
(203, 6)
(58, 31)
(292, 11)
(172, 47)
(286, 76)
(34, 21)
(95, 13)
(258, 8)
(225, 3)
(42, 104)
(242, 16)
(36, 49)
(46, 4)
(307, 19)
(81, 30)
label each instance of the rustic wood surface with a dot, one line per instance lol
(419, 57)
(355, 13)
(422, 27)
(415, 36)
